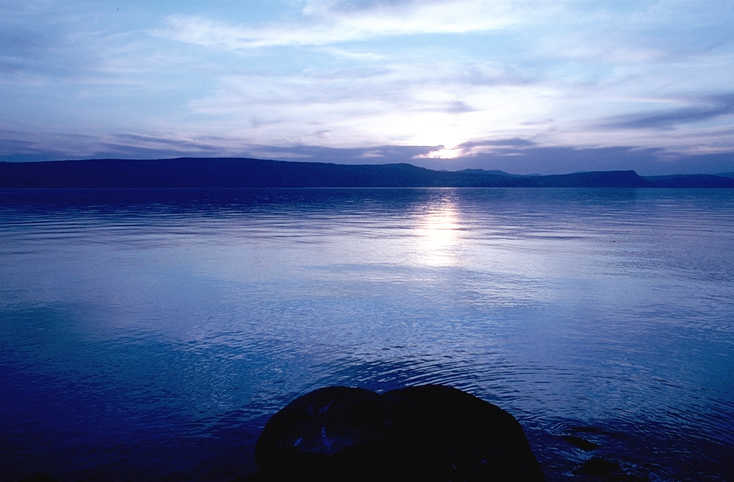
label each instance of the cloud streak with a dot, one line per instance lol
(334, 22)
(711, 108)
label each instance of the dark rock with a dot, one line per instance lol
(581, 443)
(597, 467)
(38, 477)
(431, 433)
(483, 441)
(594, 430)
(338, 433)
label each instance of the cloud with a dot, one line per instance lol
(709, 108)
(25, 50)
(527, 158)
(23, 146)
(478, 148)
(514, 143)
(584, 65)
(52, 42)
(513, 155)
(453, 107)
(472, 82)
(333, 22)
(405, 103)
(328, 6)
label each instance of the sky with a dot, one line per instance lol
(525, 86)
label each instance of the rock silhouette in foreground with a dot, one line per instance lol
(431, 433)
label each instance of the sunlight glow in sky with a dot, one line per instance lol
(526, 86)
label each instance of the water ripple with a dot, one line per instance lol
(160, 328)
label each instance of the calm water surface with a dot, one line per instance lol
(149, 334)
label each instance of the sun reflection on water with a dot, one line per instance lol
(437, 235)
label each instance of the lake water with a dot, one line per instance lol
(149, 334)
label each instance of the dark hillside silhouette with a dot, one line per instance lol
(258, 173)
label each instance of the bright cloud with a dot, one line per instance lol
(331, 22)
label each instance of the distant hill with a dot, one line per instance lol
(690, 180)
(258, 173)
(495, 172)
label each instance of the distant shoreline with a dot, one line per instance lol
(259, 173)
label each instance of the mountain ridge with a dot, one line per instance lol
(192, 172)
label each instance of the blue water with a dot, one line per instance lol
(149, 334)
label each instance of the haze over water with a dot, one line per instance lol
(145, 333)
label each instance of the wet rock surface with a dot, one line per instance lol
(599, 452)
(432, 433)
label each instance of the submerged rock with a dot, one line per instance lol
(431, 433)
(581, 443)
